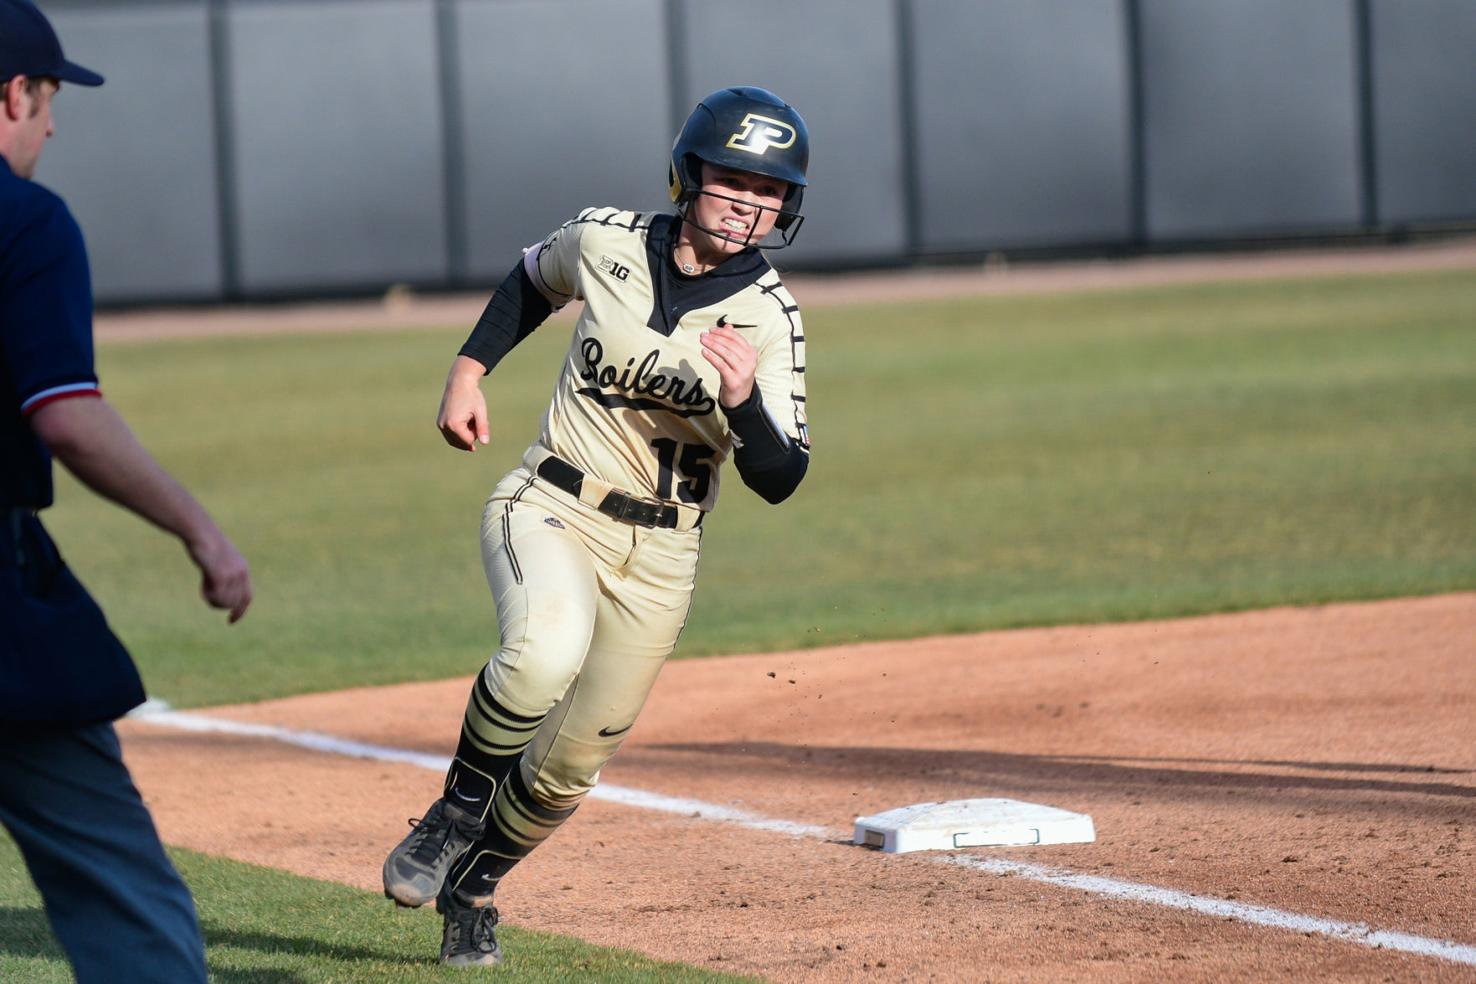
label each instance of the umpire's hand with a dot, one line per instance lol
(88, 436)
(225, 580)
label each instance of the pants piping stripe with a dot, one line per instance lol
(507, 544)
(507, 531)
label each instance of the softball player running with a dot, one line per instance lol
(689, 350)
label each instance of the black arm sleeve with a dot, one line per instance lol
(516, 308)
(768, 461)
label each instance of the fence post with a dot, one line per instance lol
(1368, 164)
(224, 139)
(453, 153)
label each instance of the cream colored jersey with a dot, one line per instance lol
(636, 402)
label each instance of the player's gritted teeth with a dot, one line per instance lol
(734, 209)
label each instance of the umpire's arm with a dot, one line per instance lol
(92, 440)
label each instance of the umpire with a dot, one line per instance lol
(115, 902)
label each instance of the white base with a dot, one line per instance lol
(972, 823)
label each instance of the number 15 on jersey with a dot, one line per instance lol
(685, 463)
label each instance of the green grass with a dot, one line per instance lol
(978, 464)
(267, 927)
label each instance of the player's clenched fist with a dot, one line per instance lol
(736, 362)
(463, 415)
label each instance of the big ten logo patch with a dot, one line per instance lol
(757, 134)
(617, 270)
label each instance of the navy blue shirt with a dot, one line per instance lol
(45, 329)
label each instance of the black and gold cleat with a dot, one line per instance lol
(469, 938)
(417, 867)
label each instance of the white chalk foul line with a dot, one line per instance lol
(319, 742)
(302, 739)
(1207, 905)
(1113, 888)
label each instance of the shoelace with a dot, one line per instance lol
(425, 848)
(474, 929)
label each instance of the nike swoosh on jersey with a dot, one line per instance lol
(723, 322)
(607, 733)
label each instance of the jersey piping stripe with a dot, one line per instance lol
(535, 273)
(54, 393)
(796, 336)
(589, 217)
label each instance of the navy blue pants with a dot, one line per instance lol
(115, 902)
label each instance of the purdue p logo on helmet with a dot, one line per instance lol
(745, 128)
(759, 133)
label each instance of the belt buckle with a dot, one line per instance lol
(627, 508)
(616, 504)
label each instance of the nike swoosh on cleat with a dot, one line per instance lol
(723, 322)
(607, 733)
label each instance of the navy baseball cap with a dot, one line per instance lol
(28, 46)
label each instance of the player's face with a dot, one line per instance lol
(735, 208)
(29, 115)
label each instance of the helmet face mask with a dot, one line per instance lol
(787, 221)
(743, 128)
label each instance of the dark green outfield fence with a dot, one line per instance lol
(259, 148)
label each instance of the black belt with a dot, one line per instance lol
(11, 518)
(21, 536)
(616, 504)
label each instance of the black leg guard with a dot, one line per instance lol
(492, 741)
(516, 825)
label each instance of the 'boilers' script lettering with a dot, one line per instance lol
(685, 398)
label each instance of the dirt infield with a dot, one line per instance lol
(1318, 760)
(399, 309)
(1321, 761)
